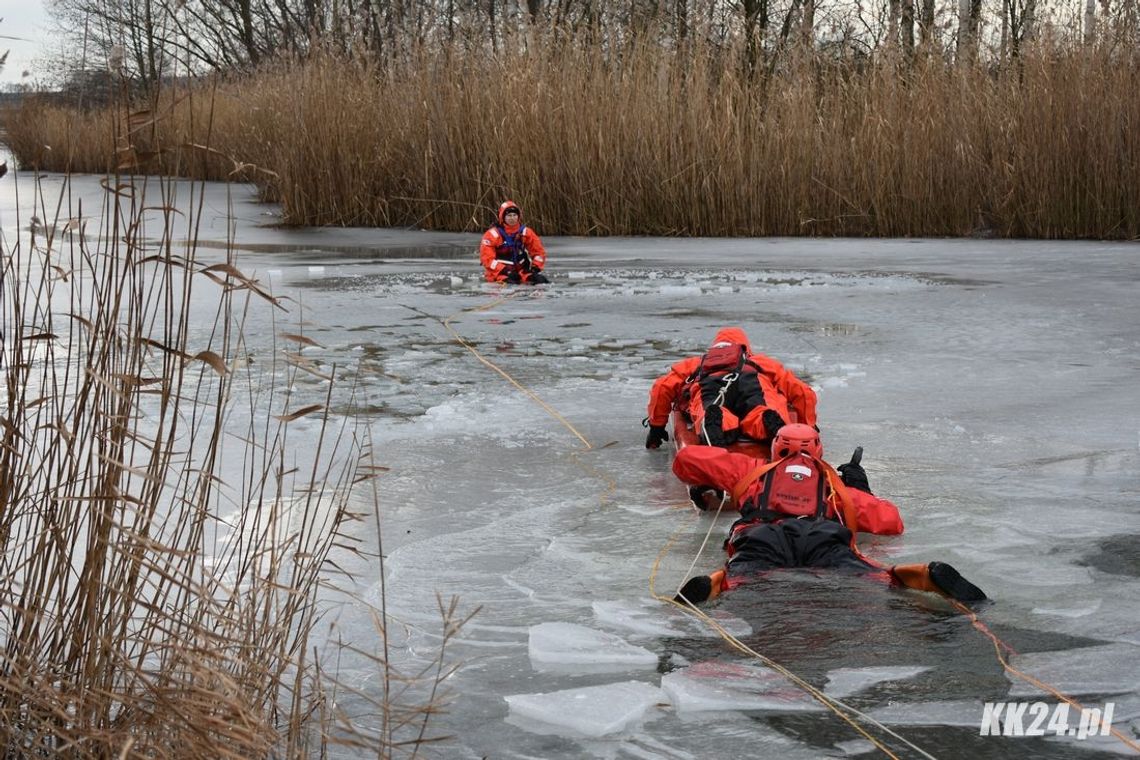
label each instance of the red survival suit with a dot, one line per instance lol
(755, 403)
(797, 511)
(511, 253)
(792, 514)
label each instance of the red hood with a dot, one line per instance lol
(503, 212)
(733, 335)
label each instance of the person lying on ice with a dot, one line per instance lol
(729, 391)
(797, 511)
(512, 252)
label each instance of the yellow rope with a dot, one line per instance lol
(487, 362)
(999, 645)
(831, 703)
(828, 702)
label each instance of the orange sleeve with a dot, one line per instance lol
(712, 466)
(666, 389)
(875, 515)
(487, 247)
(534, 248)
(801, 398)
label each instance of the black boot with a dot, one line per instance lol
(695, 591)
(953, 585)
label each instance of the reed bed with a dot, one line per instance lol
(680, 141)
(168, 545)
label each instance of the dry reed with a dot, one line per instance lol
(164, 558)
(677, 142)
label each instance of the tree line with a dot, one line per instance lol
(149, 40)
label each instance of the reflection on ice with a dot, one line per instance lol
(566, 646)
(590, 711)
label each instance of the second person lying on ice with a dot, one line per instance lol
(729, 391)
(796, 511)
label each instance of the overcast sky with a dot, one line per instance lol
(26, 20)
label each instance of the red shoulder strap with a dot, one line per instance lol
(753, 475)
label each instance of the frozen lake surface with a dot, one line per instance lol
(993, 385)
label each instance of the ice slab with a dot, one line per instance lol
(680, 290)
(847, 681)
(715, 686)
(590, 711)
(963, 712)
(653, 618)
(1108, 669)
(1069, 612)
(855, 747)
(567, 646)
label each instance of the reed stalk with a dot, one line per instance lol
(641, 138)
(169, 545)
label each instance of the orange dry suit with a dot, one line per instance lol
(745, 392)
(794, 512)
(511, 253)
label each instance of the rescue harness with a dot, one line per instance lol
(511, 250)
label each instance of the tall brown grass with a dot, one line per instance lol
(680, 141)
(165, 559)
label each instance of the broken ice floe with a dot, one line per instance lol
(1069, 612)
(589, 711)
(674, 291)
(718, 686)
(1108, 669)
(844, 682)
(562, 646)
(963, 712)
(652, 618)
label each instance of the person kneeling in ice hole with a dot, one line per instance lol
(797, 511)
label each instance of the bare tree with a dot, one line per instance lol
(969, 16)
(926, 23)
(755, 25)
(906, 27)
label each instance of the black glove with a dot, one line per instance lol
(695, 591)
(772, 423)
(657, 435)
(513, 277)
(705, 498)
(853, 474)
(713, 427)
(538, 278)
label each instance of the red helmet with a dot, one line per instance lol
(796, 438)
(506, 206)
